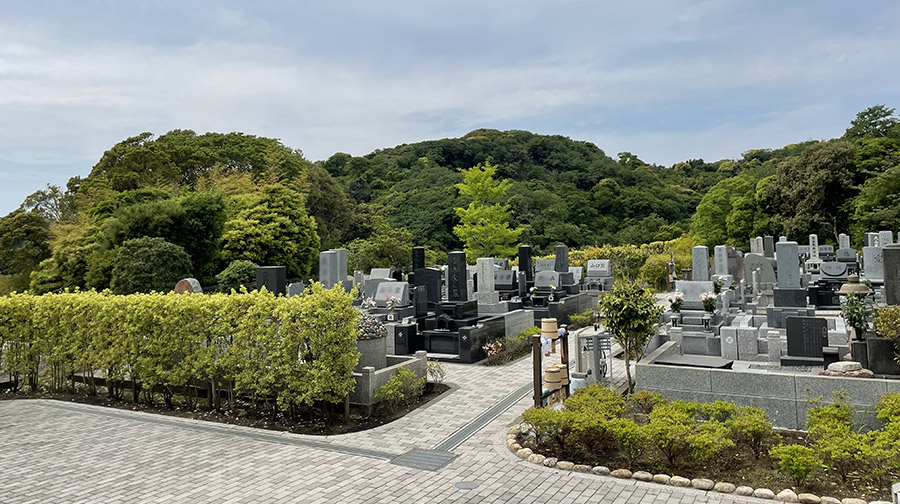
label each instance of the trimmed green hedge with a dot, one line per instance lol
(279, 351)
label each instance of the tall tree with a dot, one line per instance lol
(875, 121)
(484, 223)
(24, 243)
(631, 315)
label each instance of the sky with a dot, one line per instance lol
(666, 80)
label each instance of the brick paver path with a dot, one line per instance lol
(67, 453)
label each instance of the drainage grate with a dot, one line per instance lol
(429, 460)
(486, 417)
(466, 485)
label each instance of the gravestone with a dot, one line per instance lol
(359, 278)
(430, 279)
(341, 264)
(598, 267)
(188, 286)
(486, 294)
(420, 300)
(753, 262)
(504, 279)
(756, 245)
(273, 278)
(873, 263)
(769, 246)
(788, 259)
(456, 276)
(501, 264)
(843, 241)
(295, 289)
(782, 238)
(418, 258)
(720, 260)
(370, 289)
(806, 337)
(328, 268)
(735, 264)
(399, 291)
(846, 255)
(885, 238)
(692, 290)
(523, 284)
(870, 240)
(826, 252)
(891, 264)
(700, 260)
(833, 269)
(380, 273)
(525, 262)
(577, 273)
(561, 263)
(544, 279)
(813, 246)
(545, 265)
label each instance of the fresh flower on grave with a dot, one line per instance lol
(676, 302)
(551, 287)
(709, 301)
(391, 302)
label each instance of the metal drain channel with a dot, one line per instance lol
(486, 417)
(288, 439)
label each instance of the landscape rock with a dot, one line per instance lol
(582, 468)
(642, 476)
(844, 366)
(524, 453)
(703, 483)
(851, 500)
(808, 498)
(880, 502)
(536, 458)
(512, 431)
(662, 479)
(744, 490)
(621, 473)
(763, 493)
(787, 495)
(550, 461)
(723, 487)
(514, 447)
(565, 465)
(830, 500)
(862, 373)
(600, 470)
(679, 481)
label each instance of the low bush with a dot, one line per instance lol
(643, 401)
(796, 461)
(752, 428)
(583, 319)
(553, 427)
(632, 439)
(719, 411)
(888, 408)
(597, 401)
(402, 389)
(435, 371)
(504, 350)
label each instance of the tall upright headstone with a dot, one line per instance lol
(843, 241)
(873, 263)
(891, 255)
(525, 262)
(418, 258)
(273, 278)
(814, 247)
(754, 247)
(885, 238)
(700, 263)
(788, 265)
(769, 246)
(485, 275)
(782, 238)
(341, 264)
(328, 268)
(456, 276)
(562, 259)
(720, 260)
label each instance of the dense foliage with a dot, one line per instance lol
(278, 352)
(630, 313)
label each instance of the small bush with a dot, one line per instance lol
(402, 389)
(796, 461)
(632, 439)
(435, 371)
(720, 411)
(504, 350)
(551, 426)
(669, 427)
(644, 401)
(579, 320)
(239, 272)
(709, 440)
(888, 407)
(752, 428)
(596, 400)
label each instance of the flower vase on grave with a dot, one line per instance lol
(675, 318)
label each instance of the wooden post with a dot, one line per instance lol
(536, 357)
(564, 359)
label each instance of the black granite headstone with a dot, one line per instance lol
(418, 258)
(806, 336)
(562, 259)
(430, 278)
(456, 274)
(523, 285)
(891, 255)
(273, 278)
(525, 262)
(420, 300)
(769, 246)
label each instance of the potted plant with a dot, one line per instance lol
(709, 306)
(675, 303)
(855, 309)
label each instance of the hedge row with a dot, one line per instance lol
(281, 351)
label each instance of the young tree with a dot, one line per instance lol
(145, 264)
(631, 316)
(484, 223)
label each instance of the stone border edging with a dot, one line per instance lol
(721, 487)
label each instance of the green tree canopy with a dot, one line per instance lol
(484, 223)
(24, 243)
(148, 264)
(631, 315)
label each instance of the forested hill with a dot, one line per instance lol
(563, 190)
(191, 205)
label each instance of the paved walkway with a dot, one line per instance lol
(63, 452)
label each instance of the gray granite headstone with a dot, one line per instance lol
(843, 241)
(756, 245)
(295, 288)
(598, 267)
(769, 246)
(561, 264)
(873, 263)
(891, 255)
(503, 279)
(486, 291)
(328, 268)
(782, 238)
(544, 265)
(359, 278)
(870, 240)
(399, 291)
(525, 262)
(720, 260)
(788, 258)
(380, 273)
(885, 238)
(700, 261)
(834, 269)
(813, 246)
(846, 255)
(692, 290)
(501, 264)
(456, 276)
(754, 262)
(341, 264)
(546, 278)
(577, 273)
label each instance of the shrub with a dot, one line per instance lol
(148, 264)
(752, 428)
(888, 407)
(796, 461)
(887, 324)
(591, 437)
(435, 371)
(503, 350)
(632, 439)
(644, 401)
(669, 427)
(553, 426)
(720, 411)
(239, 272)
(597, 401)
(854, 310)
(709, 440)
(826, 418)
(579, 320)
(402, 389)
